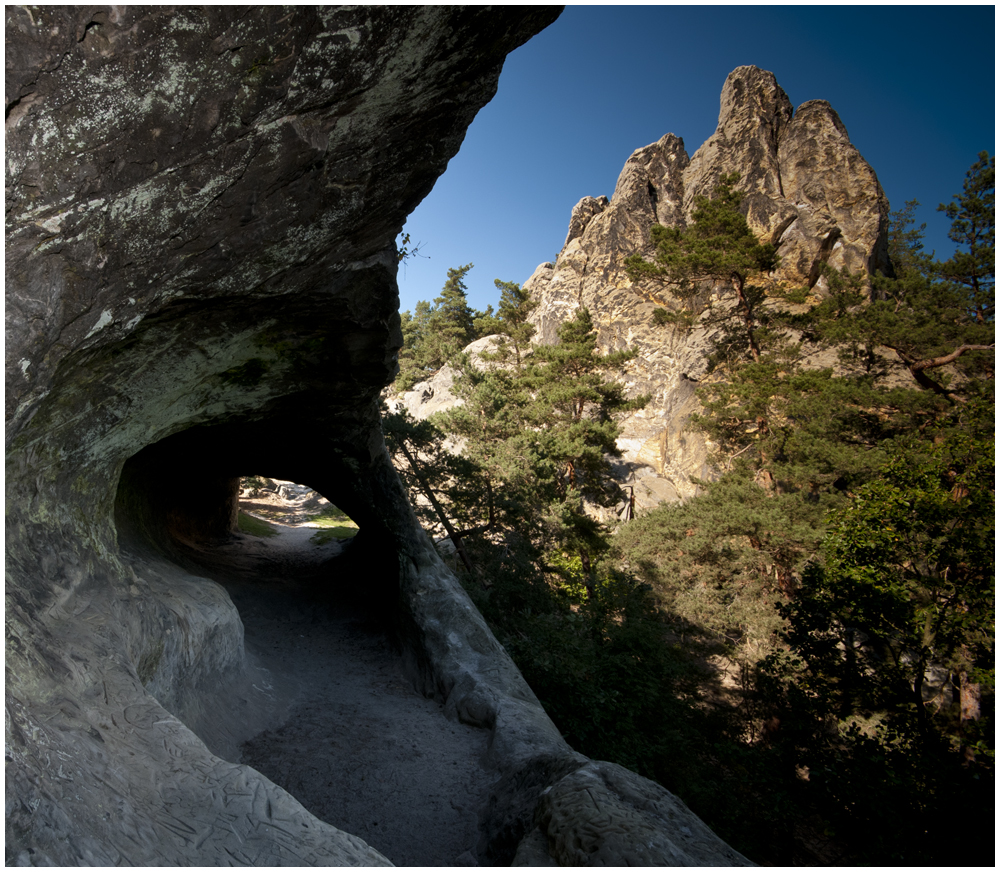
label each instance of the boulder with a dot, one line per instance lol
(604, 815)
(431, 395)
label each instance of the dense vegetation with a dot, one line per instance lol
(805, 651)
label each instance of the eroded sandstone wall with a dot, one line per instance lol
(201, 211)
(807, 189)
(202, 204)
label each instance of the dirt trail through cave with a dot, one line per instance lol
(359, 747)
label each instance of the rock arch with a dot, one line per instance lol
(202, 203)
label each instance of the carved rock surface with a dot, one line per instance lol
(201, 211)
(202, 204)
(806, 188)
(604, 815)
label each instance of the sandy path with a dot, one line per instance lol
(359, 748)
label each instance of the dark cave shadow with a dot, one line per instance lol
(359, 747)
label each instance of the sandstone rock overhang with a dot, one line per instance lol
(202, 204)
(201, 212)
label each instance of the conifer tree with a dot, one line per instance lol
(510, 321)
(451, 325)
(973, 226)
(575, 405)
(434, 334)
(542, 431)
(935, 317)
(718, 247)
(412, 356)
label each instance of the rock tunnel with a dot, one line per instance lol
(202, 204)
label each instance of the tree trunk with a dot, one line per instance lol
(747, 317)
(456, 539)
(588, 577)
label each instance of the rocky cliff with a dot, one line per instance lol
(807, 189)
(201, 211)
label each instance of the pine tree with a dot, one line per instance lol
(445, 486)
(510, 321)
(906, 242)
(973, 225)
(572, 418)
(452, 324)
(575, 405)
(542, 431)
(435, 334)
(909, 564)
(718, 247)
(937, 318)
(415, 327)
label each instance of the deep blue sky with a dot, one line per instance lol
(914, 85)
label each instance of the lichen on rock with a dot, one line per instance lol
(202, 204)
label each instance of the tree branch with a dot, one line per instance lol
(933, 362)
(426, 488)
(918, 368)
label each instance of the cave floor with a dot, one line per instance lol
(358, 747)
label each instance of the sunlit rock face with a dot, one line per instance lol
(807, 190)
(201, 212)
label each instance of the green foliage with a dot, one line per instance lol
(256, 483)
(935, 318)
(682, 319)
(432, 472)
(510, 321)
(973, 225)
(839, 565)
(605, 672)
(434, 334)
(574, 406)
(719, 563)
(907, 584)
(255, 526)
(623, 685)
(718, 247)
(844, 554)
(405, 248)
(906, 241)
(541, 432)
(885, 693)
(415, 327)
(452, 318)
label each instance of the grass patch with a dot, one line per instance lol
(255, 526)
(334, 523)
(331, 516)
(329, 532)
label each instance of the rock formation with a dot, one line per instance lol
(807, 189)
(201, 208)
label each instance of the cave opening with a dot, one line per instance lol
(270, 508)
(328, 710)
